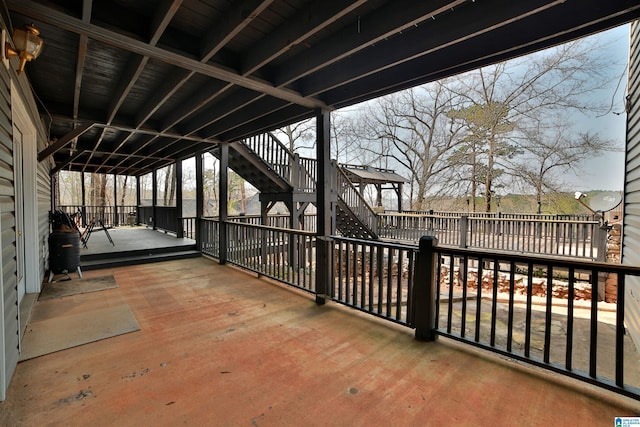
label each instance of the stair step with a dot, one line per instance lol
(135, 259)
(134, 253)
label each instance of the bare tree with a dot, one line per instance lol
(550, 152)
(169, 193)
(300, 136)
(411, 130)
(502, 102)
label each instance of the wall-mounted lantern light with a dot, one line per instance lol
(28, 45)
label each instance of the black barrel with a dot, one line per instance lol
(64, 252)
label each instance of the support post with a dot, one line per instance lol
(223, 209)
(179, 225)
(424, 290)
(84, 202)
(323, 191)
(138, 199)
(602, 234)
(324, 289)
(154, 197)
(464, 225)
(116, 221)
(199, 201)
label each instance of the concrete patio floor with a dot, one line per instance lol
(218, 346)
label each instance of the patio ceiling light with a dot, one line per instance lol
(28, 45)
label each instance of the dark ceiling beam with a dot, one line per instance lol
(136, 66)
(233, 102)
(296, 29)
(186, 152)
(470, 21)
(231, 116)
(64, 141)
(230, 104)
(394, 19)
(128, 79)
(72, 160)
(169, 86)
(96, 144)
(163, 16)
(313, 18)
(94, 168)
(240, 16)
(63, 164)
(372, 28)
(51, 16)
(140, 144)
(267, 106)
(151, 132)
(274, 119)
(489, 48)
(82, 54)
(198, 100)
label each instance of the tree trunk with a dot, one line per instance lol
(489, 178)
(243, 196)
(124, 191)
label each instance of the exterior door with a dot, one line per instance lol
(19, 209)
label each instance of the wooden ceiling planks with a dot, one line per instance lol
(171, 77)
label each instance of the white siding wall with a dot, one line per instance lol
(631, 227)
(9, 332)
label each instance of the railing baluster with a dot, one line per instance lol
(619, 355)
(527, 333)
(512, 271)
(548, 314)
(450, 305)
(570, 298)
(593, 341)
(478, 299)
(463, 277)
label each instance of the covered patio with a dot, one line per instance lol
(128, 88)
(218, 347)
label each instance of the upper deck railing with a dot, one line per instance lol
(567, 238)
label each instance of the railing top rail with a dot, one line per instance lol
(265, 227)
(528, 258)
(494, 219)
(577, 264)
(378, 243)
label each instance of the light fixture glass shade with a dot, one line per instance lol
(28, 45)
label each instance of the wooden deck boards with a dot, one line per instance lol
(219, 347)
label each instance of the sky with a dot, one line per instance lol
(606, 172)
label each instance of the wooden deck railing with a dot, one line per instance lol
(566, 316)
(578, 239)
(111, 216)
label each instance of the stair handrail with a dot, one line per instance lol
(273, 152)
(305, 176)
(348, 193)
(301, 174)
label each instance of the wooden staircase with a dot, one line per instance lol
(269, 166)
